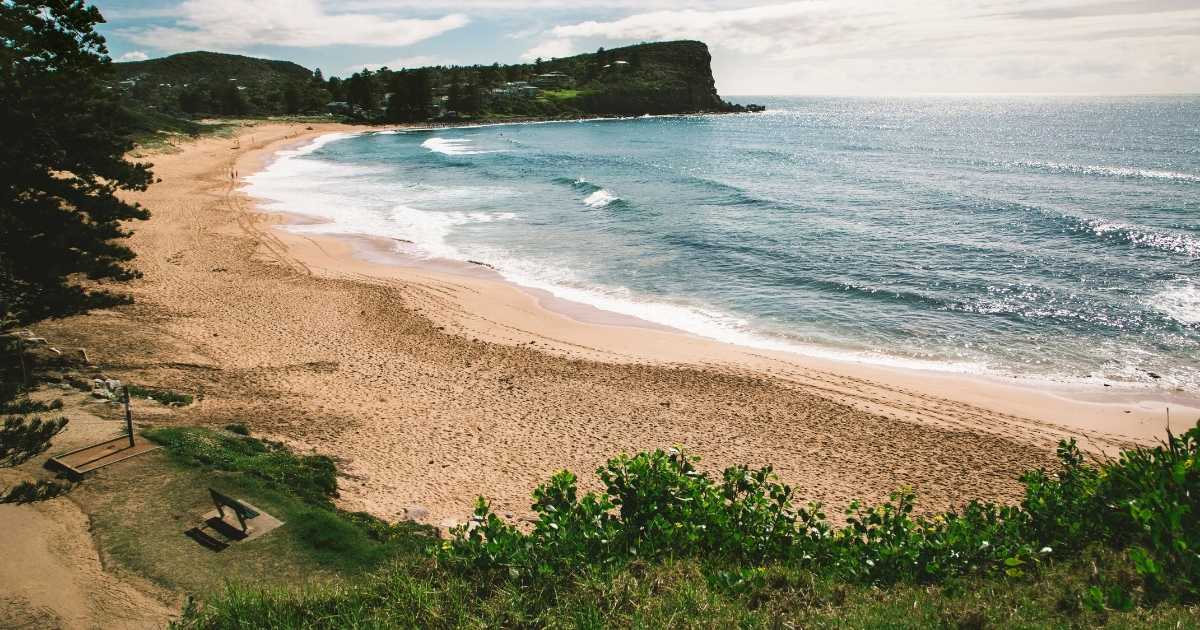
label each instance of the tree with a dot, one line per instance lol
(230, 100)
(412, 95)
(292, 101)
(23, 438)
(360, 91)
(454, 92)
(193, 100)
(62, 160)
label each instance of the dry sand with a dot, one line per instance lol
(51, 573)
(435, 383)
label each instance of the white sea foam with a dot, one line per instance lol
(317, 143)
(380, 206)
(1111, 171)
(1180, 301)
(686, 316)
(600, 198)
(316, 188)
(392, 209)
(451, 146)
(1147, 237)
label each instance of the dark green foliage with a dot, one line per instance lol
(32, 491)
(13, 366)
(61, 160)
(238, 428)
(144, 124)
(411, 95)
(21, 439)
(313, 478)
(658, 504)
(658, 78)
(199, 83)
(304, 485)
(23, 406)
(161, 395)
(337, 541)
(666, 546)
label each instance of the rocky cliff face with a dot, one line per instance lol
(658, 78)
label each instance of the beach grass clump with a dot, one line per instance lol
(166, 397)
(311, 478)
(25, 406)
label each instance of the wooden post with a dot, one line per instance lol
(128, 417)
(25, 380)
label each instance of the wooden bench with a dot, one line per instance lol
(241, 510)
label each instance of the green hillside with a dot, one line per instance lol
(657, 78)
(660, 78)
(218, 83)
(209, 66)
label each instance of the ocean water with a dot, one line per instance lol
(1047, 237)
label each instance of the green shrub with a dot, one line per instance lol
(658, 504)
(665, 545)
(1151, 499)
(173, 399)
(25, 406)
(303, 486)
(313, 478)
(238, 428)
(21, 439)
(337, 541)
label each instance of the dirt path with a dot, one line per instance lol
(51, 575)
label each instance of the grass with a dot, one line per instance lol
(299, 490)
(139, 516)
(672, 593)
(151, 130)
(166, 397)
(561, 95)
(667, 547)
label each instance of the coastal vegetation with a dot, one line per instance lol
(658, 78)
(300, 488)
(163, 396)
(62, 163)
(665, 544)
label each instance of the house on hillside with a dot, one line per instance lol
(553, 80)
(517, 89)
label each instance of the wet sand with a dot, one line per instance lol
(435, 382)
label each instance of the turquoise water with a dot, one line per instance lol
(1049, 237)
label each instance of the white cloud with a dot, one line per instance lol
(523, 6)
(238, 24)
(925, 43)
(133, 55)
(550, 49)
(416, 61)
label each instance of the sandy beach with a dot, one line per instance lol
(433, 383)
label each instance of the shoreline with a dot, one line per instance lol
(1124, 410)
(431, 388)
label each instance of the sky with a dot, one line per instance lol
(861, 47)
